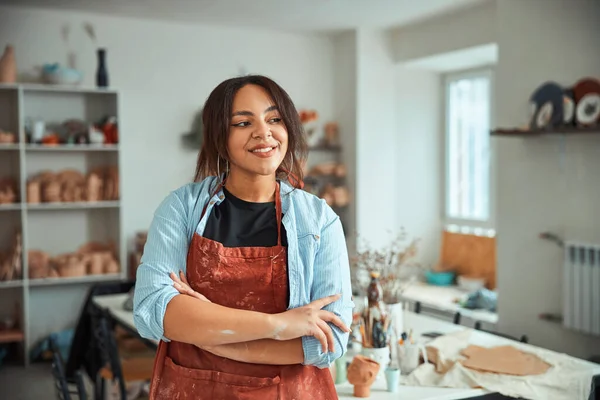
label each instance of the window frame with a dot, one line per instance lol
(484, 227)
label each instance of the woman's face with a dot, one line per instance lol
(258, 138)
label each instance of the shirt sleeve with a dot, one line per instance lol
(165, 251)
(332, 276)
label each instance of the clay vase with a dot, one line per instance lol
(362, 372)
(8, 66)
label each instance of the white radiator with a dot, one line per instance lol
(581, 288)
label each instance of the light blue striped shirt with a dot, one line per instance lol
(317, 259)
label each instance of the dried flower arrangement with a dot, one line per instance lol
(394, 264)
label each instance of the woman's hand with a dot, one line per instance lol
(183, 287)
(309, 320)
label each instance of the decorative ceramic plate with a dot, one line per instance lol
(547, 105)
(586, 94)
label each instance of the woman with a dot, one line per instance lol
(269, 303)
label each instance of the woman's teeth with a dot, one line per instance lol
(263, 150)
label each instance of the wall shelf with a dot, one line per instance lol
(565, 130)
(73, 280)
(10, 207)
(11, 336)
(11, 284)
(8, 147)
(72, 206)
(69, 148)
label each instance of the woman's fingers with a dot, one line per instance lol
(180, 283)
(321, 337)
(320, 303)
(331, 317)
(183, 278)
(328, 334)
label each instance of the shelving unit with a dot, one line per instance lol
(51, 304)
(323, 153)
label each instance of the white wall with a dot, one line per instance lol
(376, 140)
(344, 108)
(539, 187)
(419, 158)
(165, 71)
(398, 148)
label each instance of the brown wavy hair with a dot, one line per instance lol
(216, 120)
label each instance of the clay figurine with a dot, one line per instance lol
(362, 372)
(8, 66)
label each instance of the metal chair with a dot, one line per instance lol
(63, 388)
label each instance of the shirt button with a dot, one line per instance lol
(212, 202)
(317, 237)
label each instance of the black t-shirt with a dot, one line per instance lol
(239, 223)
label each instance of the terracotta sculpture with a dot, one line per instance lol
(362, 372)
(8, 191)
(7, 137)
(93, 187)
(72, 186)
(8, 66)
(34, 191)
(39, 264)
(331, 134)
(10, 263)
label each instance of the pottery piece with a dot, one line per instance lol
(362, 372)
(8, 66)
(7, 137)
(34, 191)
(8, 191)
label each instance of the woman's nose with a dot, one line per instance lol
(263, 131)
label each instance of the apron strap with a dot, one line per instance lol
(278, 212)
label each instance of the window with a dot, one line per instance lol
(467, 138)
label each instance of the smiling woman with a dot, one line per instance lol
(244, 276)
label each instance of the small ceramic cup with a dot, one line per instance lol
(392, 378)
(409, 357)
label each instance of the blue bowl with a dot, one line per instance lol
(440, 278)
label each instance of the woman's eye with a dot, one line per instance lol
(275, 120)
(242, 124)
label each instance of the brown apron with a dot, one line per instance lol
(249, 278)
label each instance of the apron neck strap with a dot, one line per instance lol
(278, 212)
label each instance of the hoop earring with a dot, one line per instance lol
(289, 169)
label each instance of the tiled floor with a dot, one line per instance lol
(31, 383)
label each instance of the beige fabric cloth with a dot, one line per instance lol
(566, 379)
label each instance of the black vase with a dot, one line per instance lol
(102, 71)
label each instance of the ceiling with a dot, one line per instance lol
(289, 15)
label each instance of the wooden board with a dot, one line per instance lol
(11, 336)
(470, 255)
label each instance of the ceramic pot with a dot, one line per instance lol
(379, 355)
(362, 372)
(8, 66)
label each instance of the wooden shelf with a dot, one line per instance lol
(11, 284)
(11, 336)
(72, 206)
(565, 130)
(68, 89)
(324, 147)
(10, 207)
(76, 279)
(72, 148)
